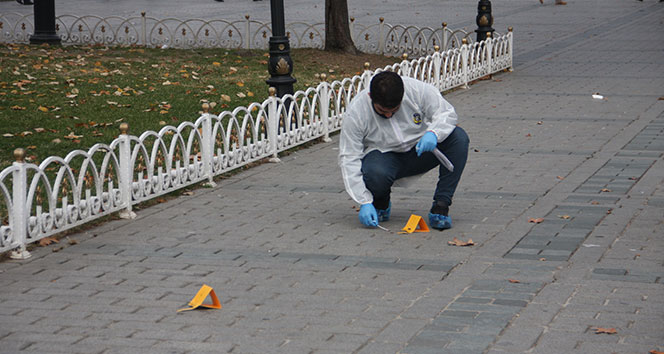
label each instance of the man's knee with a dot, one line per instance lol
(375, 175)
(460, 136)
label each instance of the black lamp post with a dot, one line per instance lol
(280, 65)
(44, 11)
(484, 19)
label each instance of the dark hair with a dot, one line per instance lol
(386, 89)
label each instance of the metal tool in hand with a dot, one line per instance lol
(443, 159)
(383, 228)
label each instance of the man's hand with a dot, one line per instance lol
(428, 142)
(368, 215)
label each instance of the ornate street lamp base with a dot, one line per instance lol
(50, 38)
(280, 66)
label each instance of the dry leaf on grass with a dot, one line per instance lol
(456, 242)
(536, 220)
(48, 240)
(71, 241)
(600, 330)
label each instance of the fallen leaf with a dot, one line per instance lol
(18, 108)
(188, 192)
(536, 220)
(604, 190)
(542, 259)
(241, 95)
(42, 108)
(661, 98)
(513, 281)
(633, 178)
(564, 216)
(47, 241)
(457, 242)
(226, 98)
(540, 123)
(600, 330)
(560, 177)
(594, 202)
(656, 351)
(8, 135)
(57, 249)
(71, 241)
(528, 135)
(73, 136)
(240, 83)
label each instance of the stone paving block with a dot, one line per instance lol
(380, 348)
(506, 302)
(473, 300)
(547, 253)
(194, 346)
(482, 307)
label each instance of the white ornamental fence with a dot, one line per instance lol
(377, 38)
(61, 193)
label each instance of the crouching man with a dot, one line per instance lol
(389, 132)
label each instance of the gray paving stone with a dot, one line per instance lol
(334, 287)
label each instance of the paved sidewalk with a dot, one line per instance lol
(296, 273)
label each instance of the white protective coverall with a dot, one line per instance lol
(422, 109)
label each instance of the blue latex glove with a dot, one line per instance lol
(368, 215)
(427, 143)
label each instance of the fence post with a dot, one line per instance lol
(381, 34)
(488, 42)
(510, 36)
(445, 37)
(19, 219)
(437, 63)
(247, 32)
(324, 99)
(366, 76)
(126, 169)
(464, 61)
(273, 123)
(144, 29)
(405, 65)
(207, 150)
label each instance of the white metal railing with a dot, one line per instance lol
(61, 193)
(377, 38)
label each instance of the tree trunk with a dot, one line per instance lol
(337, 30)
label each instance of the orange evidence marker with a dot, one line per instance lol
(203, 293)
(415, 224)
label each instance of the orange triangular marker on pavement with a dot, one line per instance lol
(415, 224)
(203, 293)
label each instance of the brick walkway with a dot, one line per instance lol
(296, 273)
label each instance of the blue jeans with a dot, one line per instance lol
(380, 170)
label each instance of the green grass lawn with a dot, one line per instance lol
(57, 99)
